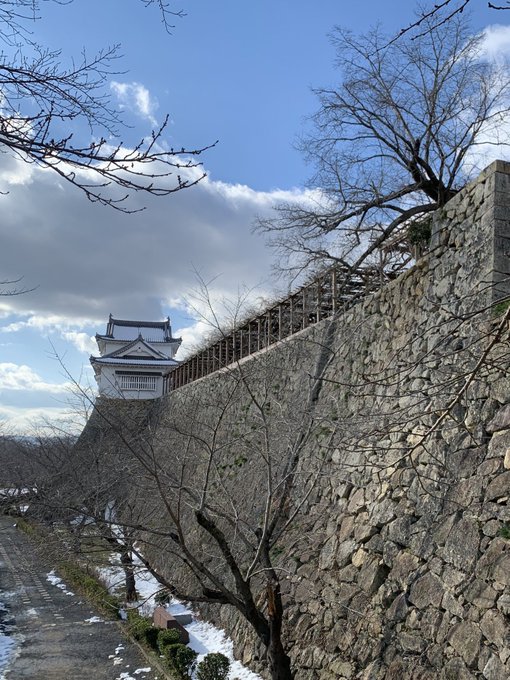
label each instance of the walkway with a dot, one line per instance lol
(59, 635)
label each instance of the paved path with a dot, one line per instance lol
(55, 641)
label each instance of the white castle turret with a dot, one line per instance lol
(135, 359)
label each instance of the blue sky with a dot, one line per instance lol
(237, 72)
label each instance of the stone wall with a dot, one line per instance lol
(398, 564)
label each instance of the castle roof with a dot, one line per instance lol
(150, 331)
(120, 361)
(135, 353)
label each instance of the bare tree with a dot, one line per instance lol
(392, 142)
(195, 518)
(163, 484)
(44, 103)
(441, 13)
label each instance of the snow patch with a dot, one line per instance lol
(56, 581)
(9, 642)
(204, 637)
(139, 671)
(94, 619)
(8, 648)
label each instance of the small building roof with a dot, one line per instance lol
(151, 331)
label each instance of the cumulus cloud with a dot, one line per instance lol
(136, 98)
(496, 42)
(21, 377)
(494, 139)
(86, 261)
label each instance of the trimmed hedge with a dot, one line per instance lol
(214, 666)
(142, 629)
(181, 659)
(166, 638)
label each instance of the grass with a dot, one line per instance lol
(500, 308)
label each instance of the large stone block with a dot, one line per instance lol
(465, 638)
(427, 590)
(461, 547)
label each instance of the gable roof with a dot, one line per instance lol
(124, 352)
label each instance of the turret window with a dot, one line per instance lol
(138, 382)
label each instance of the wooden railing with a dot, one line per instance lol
(337, 289)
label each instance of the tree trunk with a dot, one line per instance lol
(126, 560)
(279, 662)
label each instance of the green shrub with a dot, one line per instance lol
(141, 629)
(151, 637)
(133, 615)
(181, 659)
(167, 637)
(213, 667)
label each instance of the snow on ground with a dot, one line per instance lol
(138, 672)
(95, 619)
(204, 638)
(7, 651)
(56, 581)
(9, 644)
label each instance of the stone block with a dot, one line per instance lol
(461, 547)
(495, 670)
(427, 590)
(344, 553)
(499, 487)
(372, 575)
(397, 611)
(327, 554)
(183, 619)
(480, 594)
(403, 567)
(452, 605)
(465, 638)
(495, 629)
(412, 643)
(503, 604)
(501, 420)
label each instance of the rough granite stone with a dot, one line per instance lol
(499, 487)
(465, 638)
(461, 547)
(501, 420)
(427, 590)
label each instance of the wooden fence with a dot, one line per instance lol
(337, 289)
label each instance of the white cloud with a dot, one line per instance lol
(44, 420)
(21, 377)
(496, 42)
(86, 261)
(136, 98)
(46, 323)
(83, 342)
